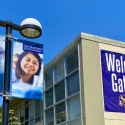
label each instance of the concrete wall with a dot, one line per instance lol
(91, 87)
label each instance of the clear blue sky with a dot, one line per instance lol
(63, 20)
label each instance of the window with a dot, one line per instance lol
(22, 105)
(73, 83)
(22, 115)
(49, 97)
(32, 121)
(29, 112)
(74, 109)
(59, 71)
(17, 114)
(72, 62)
(75, 122)
(60, 113)
(32, 107)
(38, 118)
(63, 124)
(49, 79)
(60, 91)
(38, 107)
(27, 123)
(50, 117)
(26, 102)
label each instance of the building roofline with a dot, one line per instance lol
(104, 40)
(63, 52)
(75, 41)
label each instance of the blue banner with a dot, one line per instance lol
(113, 77)
(27, 70)
(2, 57)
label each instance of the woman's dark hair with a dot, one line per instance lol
(19, 71)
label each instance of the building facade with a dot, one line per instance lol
(74, 91)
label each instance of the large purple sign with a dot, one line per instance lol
(113, 77)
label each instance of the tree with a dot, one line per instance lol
(12, 118)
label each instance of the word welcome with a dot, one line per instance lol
(115, 64)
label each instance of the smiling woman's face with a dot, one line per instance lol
(29, 64)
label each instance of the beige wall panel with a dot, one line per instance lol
(111, 48)
(82, 84)
(115, 115)
(91, 85)
(114, 122)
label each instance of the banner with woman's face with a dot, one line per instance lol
(27, 70)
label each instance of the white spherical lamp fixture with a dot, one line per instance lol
(31, 28)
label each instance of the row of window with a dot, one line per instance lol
(71, 85)
(29, 112)
(62, 69)
(62, 92)
(63, 114)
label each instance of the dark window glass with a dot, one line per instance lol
(22, 115)
(49, 79)
(38, 109)
(31, 121)
(60, 113)
(38, 118)
(49, 97)
(26, 123)
(60, 91)
(49, 117)
(26, 102)
(22, 105)
(59, 71)
(72, 62)
(27, 112)
(73, 83)
(32, 109)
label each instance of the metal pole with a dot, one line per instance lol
(7, 66)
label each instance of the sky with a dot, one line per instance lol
(63, 20)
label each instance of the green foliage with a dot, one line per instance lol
(12, 118)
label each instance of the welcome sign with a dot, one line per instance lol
(113, 77)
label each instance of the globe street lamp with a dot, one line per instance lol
(30, 28)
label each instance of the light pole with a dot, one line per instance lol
(29, 28)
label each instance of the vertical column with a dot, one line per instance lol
(7, 67)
